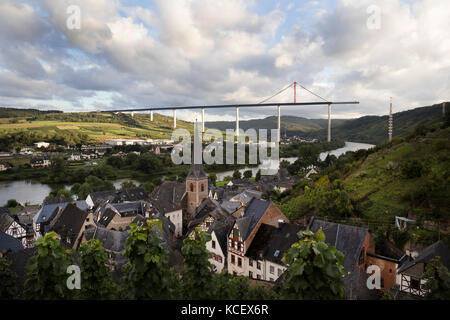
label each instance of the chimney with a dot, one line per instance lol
(280, 223)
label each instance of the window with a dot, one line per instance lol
(280, 271)
(250, 262)
(213, 244)
(239, 262)
(382, 282)
(415, 283)
(191, 187)
(271, 279)
(235, 233)
(250, 275)
(232, 259)
(272, 270)
(258, 277)
(361, 258)
(258, 266)
(202, 187)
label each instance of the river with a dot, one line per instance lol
(35, 192)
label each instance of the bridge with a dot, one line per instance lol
(248, 105)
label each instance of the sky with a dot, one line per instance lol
(162, 53)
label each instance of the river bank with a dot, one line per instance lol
(35, 192)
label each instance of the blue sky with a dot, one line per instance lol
(133, 53)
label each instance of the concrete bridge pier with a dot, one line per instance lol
(329, 123)
(174, 118)
(203, 120)
(237, 121)
(151, 115)
(279, 124)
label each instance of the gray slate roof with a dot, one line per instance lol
(347, 239)
(9, 243)
(196, 172)
(47, 211)
(5, 210)
(112, 240)
(5, 221)
(429, 253)
(169, 195)
(68, 223)
(252, 214)
(271, 242)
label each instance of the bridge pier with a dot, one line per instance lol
(329, 123)
(279, 124)
(174, 118)
(237, 121)
(203, 120)
(151, 115)
(132, 114)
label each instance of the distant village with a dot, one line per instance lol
(249, 235)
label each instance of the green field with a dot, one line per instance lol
(99, 128)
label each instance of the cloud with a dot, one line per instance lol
(224, 51)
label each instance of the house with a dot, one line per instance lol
(40, 162)
(312, 172)
(267, 248)
(256, 213)
(76, 156)
(26, 150)
(355, 243)
(216, 193)
(9, 243)
(170, 198)
(13, 228)
(116, 196)
(41, 144)
(4, 166)
(118, 216)
(245, 196)
(70, 224)
(113, 242)
(410, 274)
(45, 215)
(214, 220)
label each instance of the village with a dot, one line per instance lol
(249, 234)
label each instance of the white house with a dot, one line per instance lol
(218, 253)
(10, 226)
(176, 217)
(41, 144)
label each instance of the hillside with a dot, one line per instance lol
(408, 178)
(72, 128)
(368, 129)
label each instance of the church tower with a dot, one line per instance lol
(196, 187)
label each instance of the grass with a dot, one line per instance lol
(161, 127)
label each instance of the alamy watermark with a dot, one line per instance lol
(374, 20)
(214, 153)
(73, 22)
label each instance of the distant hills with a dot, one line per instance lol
(368, 129)
(101, 126)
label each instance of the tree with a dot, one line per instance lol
(197, 274)
(60, 195)
(258, 175)
(127, 184)
(47, 270)
(8, 288)
(95, 275)
(315, 270)
(248, 174)
(146, 273)
(237, 174)
(213, 178)
(12, 203)
(437, 279)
